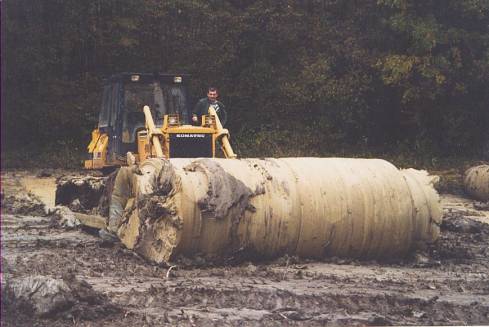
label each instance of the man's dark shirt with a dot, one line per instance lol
(202, 108)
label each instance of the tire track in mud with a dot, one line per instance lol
(315, 292)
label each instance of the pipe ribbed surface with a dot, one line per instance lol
(311, 207)
(476, 182)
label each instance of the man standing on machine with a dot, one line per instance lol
(202, 107)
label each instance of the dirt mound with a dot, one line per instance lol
(463, 241)
(23, 204)
(39, 296)
(459, 224)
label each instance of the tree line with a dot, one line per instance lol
(304, 77)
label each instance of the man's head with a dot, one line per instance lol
(212, 94)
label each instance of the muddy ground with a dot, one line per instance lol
(105, 284)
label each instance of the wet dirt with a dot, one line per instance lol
(42, 188)
(49, 297)
(17, 199)
(447, 284)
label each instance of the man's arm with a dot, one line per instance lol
(197, 112)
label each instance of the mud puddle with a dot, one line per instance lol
(447, 284)
(27, 193)
(42, 188)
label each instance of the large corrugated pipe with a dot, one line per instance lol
(311, 207)
(476, 182)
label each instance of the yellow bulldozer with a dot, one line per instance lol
(172, 197)
(147, 116)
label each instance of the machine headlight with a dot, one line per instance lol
(172, 120)
(177, 79)
(135, 78)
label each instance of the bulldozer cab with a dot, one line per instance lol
(132, 100)
(125, 94)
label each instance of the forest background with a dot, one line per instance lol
(400, 79)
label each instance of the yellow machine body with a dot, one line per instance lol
(152, 139)
(97, 150)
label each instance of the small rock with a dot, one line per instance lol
(44, 173)
(419, 314)
(65, 217)
(108, 236)
(380, 321)
(297, 316)
(481, 205)
(251, 268)
(149, 301)
(421, 259)
(76, 206)
(461, 225)
(434, 299)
